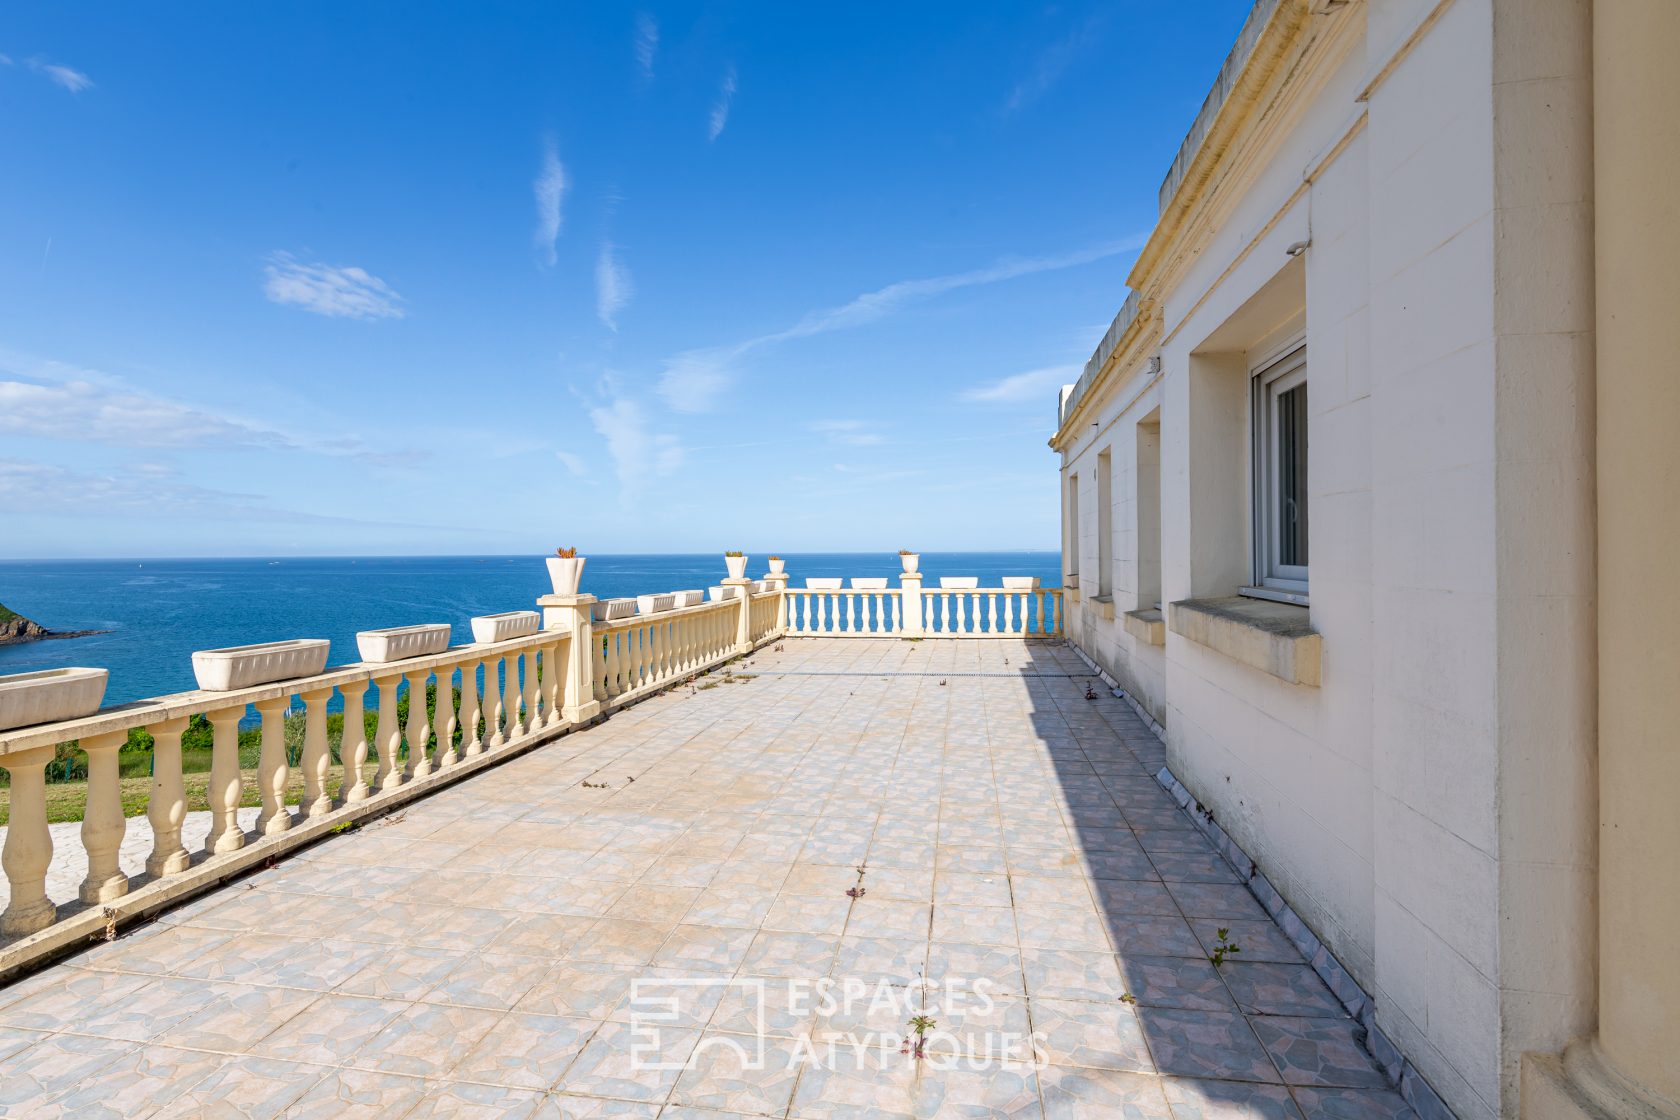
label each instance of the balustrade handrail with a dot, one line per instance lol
(156, 709)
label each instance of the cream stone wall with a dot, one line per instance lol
(1427, 808)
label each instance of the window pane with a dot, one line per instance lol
(1292, 476)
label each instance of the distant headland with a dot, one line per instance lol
(15, 628)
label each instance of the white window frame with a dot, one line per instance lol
(1273, 579)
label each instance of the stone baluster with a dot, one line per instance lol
(353, 744)
(472, 744)
(388, 735)
(225, 782)
(532, 720)
(493, 707)
(102, 819)
(608, 663)
(510, 697)
(1009, 613)
(991, 612)
(553, 684)
(443, 721)
(28, 849)
(166, 805)
(945, 613)
(419, 727)
(272, 770)
(316, 760)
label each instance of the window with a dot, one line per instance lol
(1280, 479)
(1072, 557)
(1105, 525)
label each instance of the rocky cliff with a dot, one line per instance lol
(16, 628)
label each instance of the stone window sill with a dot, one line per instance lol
(1276, 638)
(1147, 626)
(1104, 606)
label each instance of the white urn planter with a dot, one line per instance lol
(489, 628)
(824, 583)
(737, 566)
(606, 610)
(399, 643)
(869, 583)
(50, 695)
(1020, 583)
(777, 565)
(720, 593)
(653, 604)
(959, 583)
(223, 670)
(690, 598)
(910, 560)
(565, 573)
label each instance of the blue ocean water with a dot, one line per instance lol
(159, 611)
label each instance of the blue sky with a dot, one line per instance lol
(491, 278)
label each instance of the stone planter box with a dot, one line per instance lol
(824, 583)
(223, 670)
(50, 695)
(399, 643)
(1020, 583)
(606, 610)
(720, 593)
(653, 604)
(489, 628)
(762, 585)
(959, 583)
(690, 598)
(869, 583)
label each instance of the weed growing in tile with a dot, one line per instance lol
(919, 1025)
(1127, 997)
(1224, 947)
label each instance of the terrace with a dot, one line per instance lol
(613, 883)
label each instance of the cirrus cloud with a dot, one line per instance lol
(337, 291)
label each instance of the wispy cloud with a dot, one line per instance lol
(1054, 61)
(73, 80)
(550, 191)
(720, 108)
(573, 463)
(613, 286)
(852, 433)
(52, 401)
(693, 380)
(1033, 386)
(647, 44)
(639, 455)
(44, 488)
(333, 290)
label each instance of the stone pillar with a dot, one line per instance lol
(779, 580)
(575, 613)
(1631, 1068)
(910, 605)
(743, 625)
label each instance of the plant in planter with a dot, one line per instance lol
(910, 560)
(565, 571)
(777, 565)
(736, 562)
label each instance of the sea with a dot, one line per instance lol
(157, 612)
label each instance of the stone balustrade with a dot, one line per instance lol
(913, 611)
(491, 699)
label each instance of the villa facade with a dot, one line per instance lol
(1364, 497)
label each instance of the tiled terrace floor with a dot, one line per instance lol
(474, 954)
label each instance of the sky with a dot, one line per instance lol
(426, 278)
